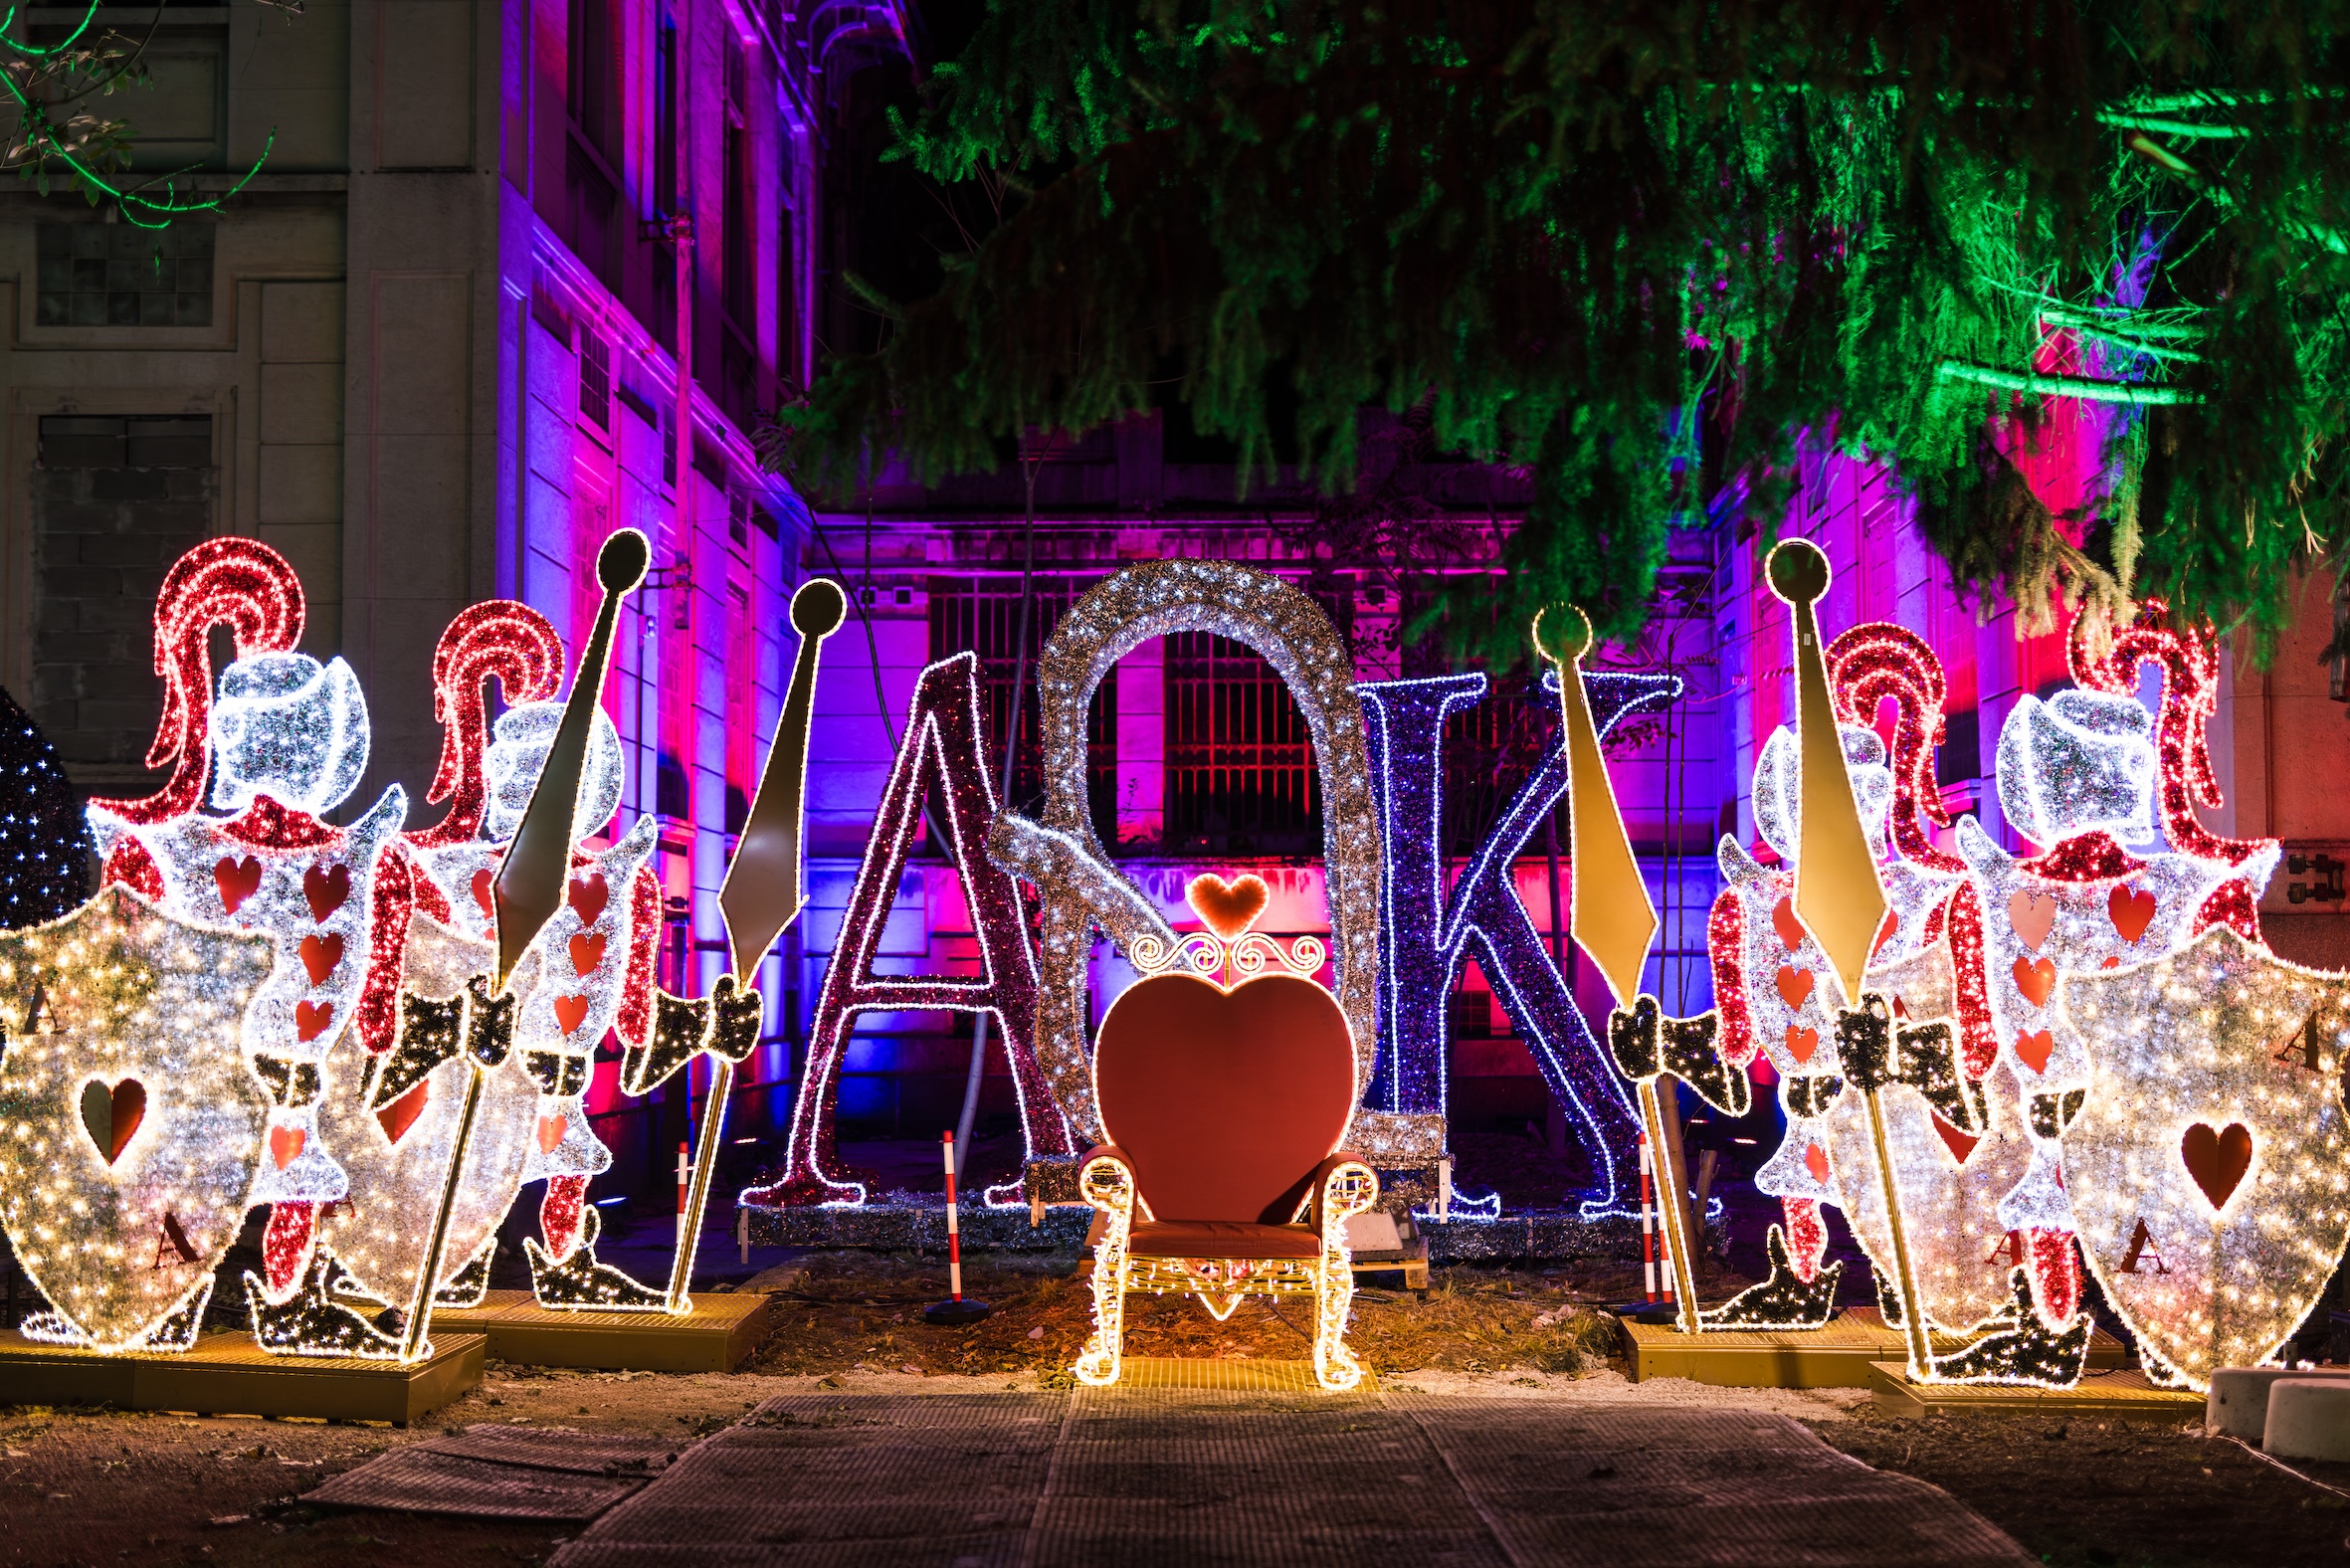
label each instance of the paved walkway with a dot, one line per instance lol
(1195, 1477)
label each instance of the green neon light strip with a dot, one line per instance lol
(133, 202)
(35, 51)
(2170, 127)
(2138, 395)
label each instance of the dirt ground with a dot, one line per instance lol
(87, 1487)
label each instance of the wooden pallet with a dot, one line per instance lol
(718, 1335)
(226, 1374)
(2122, 1392)
(1836, 1355)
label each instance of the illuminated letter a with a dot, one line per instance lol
(942, 730)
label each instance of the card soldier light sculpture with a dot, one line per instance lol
(2076, 775)
(288, 739)
(1767, 984)
(1951, 1174)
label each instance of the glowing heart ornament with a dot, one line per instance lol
(136, 1121)
(2209, 1166)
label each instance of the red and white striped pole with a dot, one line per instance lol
(954, 1309)
(954, 1240)
(685, 1188)
(1648, 1225)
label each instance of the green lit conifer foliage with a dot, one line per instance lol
(1638, 245)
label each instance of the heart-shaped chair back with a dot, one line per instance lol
(1225, 1101)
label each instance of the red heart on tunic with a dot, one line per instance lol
(1959, 1145)
(2032, 915)
(589, 894)
(1793, 985)
(326, 889)
(286, 1144)
(401, 1113)
(2035, 978)
(1784, 921)
(238, 881)
(2217, 1159)
(2110, 962)
(570, 1012)
(2130, 910)
(1801, 1043)
(320, 956)
(550, 1133)
(113, 1115)
(1815, 1162)
(312, 1017)
(2032, 1050)
(481, 895)
(586, 952)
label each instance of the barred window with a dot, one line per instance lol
(982, 615)
(1241, 777)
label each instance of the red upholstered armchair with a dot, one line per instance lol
(1222, 1177)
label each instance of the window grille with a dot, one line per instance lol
(1241, 777)
(982, 615)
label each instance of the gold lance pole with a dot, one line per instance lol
(1838, 894)
(1612, 918)
(529, 886)
(763, 891)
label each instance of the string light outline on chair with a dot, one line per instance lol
(1346, 1187)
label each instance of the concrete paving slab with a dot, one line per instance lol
(1149, 1476)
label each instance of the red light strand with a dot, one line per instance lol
(230, 581)
(1868, 664)
(500, 641)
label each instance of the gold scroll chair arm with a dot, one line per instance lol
(1344, 1185)
(1105, 1178)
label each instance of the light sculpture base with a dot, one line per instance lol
(226, 1374)
(717, 1335)
(2122, 1392)
(1838, 1354)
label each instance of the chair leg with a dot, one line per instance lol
(1103, 1351)
(1335, 1366)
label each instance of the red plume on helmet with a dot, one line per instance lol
(499, 640)
(1868, 664)
(231, 581)
(2189, 665)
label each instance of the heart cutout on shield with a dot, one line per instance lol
(112, 1115)
(2217, 1157)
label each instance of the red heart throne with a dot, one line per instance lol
(1225, 1106)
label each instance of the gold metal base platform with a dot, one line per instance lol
(1836, 1355)
(226, 1374)
(718, 1335)
(2122, 1392)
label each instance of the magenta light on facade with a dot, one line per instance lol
(1427, 935)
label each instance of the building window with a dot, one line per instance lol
(115, 502)
(1241, 774)
(982, 614)
(595, 377)
(115, 274)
